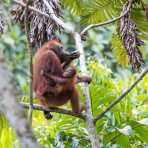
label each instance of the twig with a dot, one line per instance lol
(56, 110)
(107, 22)
(122, 95)
(30, 61)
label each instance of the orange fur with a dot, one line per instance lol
(51, 85)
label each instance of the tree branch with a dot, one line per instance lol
(55, 109)
(26, 22)
(13, 111)
(89, 117)
(107, 22)
(122, 95)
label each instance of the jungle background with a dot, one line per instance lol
(126, 125)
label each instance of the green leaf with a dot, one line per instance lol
(75, 6)
(119, 51)
(118, 138)
(141, 131)
(98, 11)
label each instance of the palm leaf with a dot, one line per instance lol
(119, 51)
(141, 21)
(98, 11)
(75, 6)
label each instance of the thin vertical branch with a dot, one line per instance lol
(30, 61)
(89, 117)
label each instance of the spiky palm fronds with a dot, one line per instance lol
(74, 6)
(129, 35)
(119, 51)
(41, 27)
(96, 11)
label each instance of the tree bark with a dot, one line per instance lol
(13, 111)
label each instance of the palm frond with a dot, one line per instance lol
(128, 33)
(41, 27)
(139, 17)
(98, 11)
(119, 51)
(75, 6)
